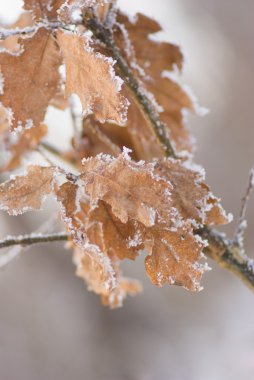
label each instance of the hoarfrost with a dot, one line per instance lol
(135, 241)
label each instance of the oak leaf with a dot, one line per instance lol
(164, 210)
(97, 278)
(36, 79)
(100, 240)
(62, 10)
(192, 197)
(91, 76)
(150, 60)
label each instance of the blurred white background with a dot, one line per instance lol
(52, 328)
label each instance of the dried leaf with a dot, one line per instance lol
(149, 60)
(130, 188)
(43, 9)
(174, 257)
(27, 192)
(191, 196)
(36, 79)
(101, 240)
(91, 76)
(166, 201)
(99, 279)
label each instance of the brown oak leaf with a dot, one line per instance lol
(191, 196)
(44, 9)
(100, 240)
(36, 79)
(91, 76)
(97, 278)
(130, 188)
(62, 10)
(149, 61)
(166, 201)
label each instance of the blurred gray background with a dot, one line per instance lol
(52, 328)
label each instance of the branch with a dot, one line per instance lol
(220, 249)
(229, 255)
(26, 240)
(105, 35)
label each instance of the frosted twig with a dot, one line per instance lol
(32, 239)
(5, 33)
(15, 250)
(242, 224)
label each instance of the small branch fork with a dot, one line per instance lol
(227, 253)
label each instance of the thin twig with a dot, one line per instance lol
(43, 152)
(52, 149)
(106, 36)
(58, 154)
(242, 224)
(32, 239)
(13, 252)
